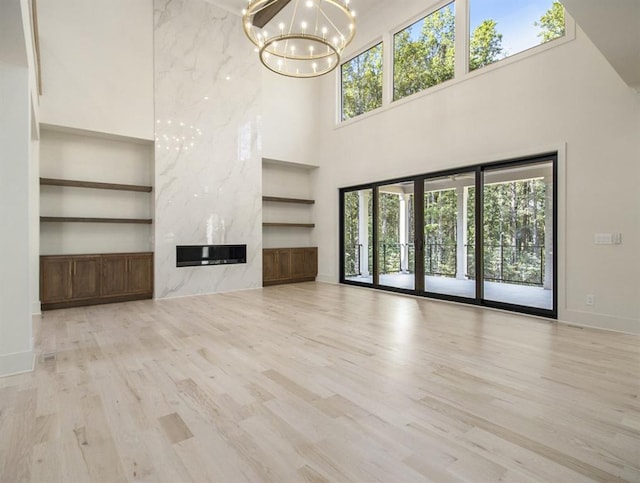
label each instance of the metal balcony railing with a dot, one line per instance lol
(523, 265)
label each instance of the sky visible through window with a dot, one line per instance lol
(515, 20)
(416, 28)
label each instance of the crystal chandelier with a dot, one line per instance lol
(299, 38)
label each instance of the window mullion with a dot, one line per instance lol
(462, 39)
(387, 69)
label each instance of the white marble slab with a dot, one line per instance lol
(208, 160)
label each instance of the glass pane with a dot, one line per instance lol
(358, 236)
(362, 83)
(501, 28)
(518, 235)
(396, 228)
(423, 53)
(449, 231)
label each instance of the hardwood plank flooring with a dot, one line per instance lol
(319, 383)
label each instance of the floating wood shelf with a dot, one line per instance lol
(66, 219)
(290, 225)
(288, 200)
(94, 185)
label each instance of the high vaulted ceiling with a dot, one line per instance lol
(236, 6)
(613, 26)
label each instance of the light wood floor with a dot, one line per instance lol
(315, 382)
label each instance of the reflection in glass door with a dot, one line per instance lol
(518, 235)
(449, 231)
(358, 236)
(396, 228)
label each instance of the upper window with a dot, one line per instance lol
(501, 28)
(424, 53)
(362, 83)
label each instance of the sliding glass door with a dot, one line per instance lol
(357, 229)
(518, 234)
(395, 235)
(449, 214)
(484, 234)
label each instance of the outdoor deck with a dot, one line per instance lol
(530, 296)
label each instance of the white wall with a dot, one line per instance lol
(208, 158)
(290, 116)
(78, 155)
(16, 342)
(97, 65)
(34, 218)
(288, 181)
(564, 96)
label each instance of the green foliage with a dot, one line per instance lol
(362, 83)
(485, 46)
(440, 232)
(514, 231)
(552, 23)
(427, 59)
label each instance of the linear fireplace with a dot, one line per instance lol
(203, 255)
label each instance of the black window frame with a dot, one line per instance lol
(479, 170)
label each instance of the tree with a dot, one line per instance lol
(427, 59)
(485, 46)
(551, 23)
(362, 83)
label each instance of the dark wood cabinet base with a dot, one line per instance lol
(95, 301)
(289, 265)
(79, 280)
(291, 280)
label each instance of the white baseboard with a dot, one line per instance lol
(599, 321)
(36, 308)
(16, 363)
(326, 279)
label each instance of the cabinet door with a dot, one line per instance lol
(85, 277)
(114, 275)
(298, 263)
(55, 279)
(284, 264)
(140, 273)
(310, 262)
(269, 265)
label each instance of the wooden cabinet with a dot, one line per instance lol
(114, 275)
(140, 274)
(289, 265)
(67, 281)
(55, 278)
(85, 277)
(64, 278)
(276, 263)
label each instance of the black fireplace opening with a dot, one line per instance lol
(203, 255)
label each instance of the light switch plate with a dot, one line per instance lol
(603, 239)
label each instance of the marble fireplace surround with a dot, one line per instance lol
(208, 146)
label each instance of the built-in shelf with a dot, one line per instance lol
(287, 164)
(290, 225)
(66, 219)
(94, 185)
(288, 200)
